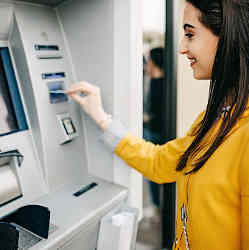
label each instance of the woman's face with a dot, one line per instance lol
(199, 44)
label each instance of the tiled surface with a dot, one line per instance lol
(148, 232)
(141, 246)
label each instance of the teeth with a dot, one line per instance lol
(192, 60)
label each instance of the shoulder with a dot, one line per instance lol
(196, 123)
(242, 130)
(243, 140)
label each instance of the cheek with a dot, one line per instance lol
(211, 49)
(210, 57)
(206, 55)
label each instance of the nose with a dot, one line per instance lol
(183, 48)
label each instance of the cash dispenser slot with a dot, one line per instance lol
(10, 188)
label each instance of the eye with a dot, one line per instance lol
(189, 35)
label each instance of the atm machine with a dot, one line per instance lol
(50, 153)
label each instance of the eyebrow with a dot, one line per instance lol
(186, 25)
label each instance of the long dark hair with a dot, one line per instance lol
(229, 85)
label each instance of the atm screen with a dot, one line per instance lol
(12, 117)
(8, 120)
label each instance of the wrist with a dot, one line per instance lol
(105, 122)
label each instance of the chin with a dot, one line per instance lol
(201, 77)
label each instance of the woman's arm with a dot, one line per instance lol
(157, 163)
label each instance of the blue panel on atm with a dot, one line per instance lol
(12, 116)
(56, 97)
(55, 75)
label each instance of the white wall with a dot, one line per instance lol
(153, 15)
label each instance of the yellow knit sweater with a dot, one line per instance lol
(216, 197)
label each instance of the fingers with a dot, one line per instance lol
(78, 98)
(83, 87)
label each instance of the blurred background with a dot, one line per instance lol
(154, 25)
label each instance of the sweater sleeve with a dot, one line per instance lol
(156, 162)
(244, 222)
(244, 179)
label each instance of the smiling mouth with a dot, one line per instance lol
(192, 61)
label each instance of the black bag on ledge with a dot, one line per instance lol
(9, 236)
(33, 218)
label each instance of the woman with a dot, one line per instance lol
(210, 164)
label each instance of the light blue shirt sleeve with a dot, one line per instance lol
(113, 134)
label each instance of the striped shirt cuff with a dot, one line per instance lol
(113, 134)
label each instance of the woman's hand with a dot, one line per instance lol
(91, 102)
